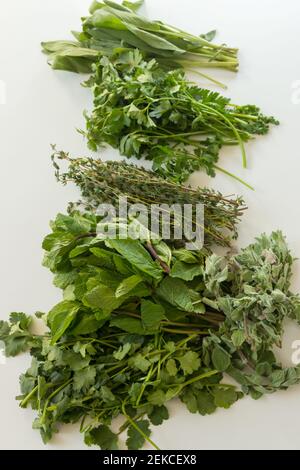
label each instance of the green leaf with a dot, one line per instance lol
(185, 271)
(135, 440)
(107, 395)
(205, 402)
(176, 293)
(75, 224)
(189, 399)
(171, 367)
(134, 252)
(220, 359)
(61, 317)
(103, 298)
(103, 437)
(152, 314)
(134, 6)
(209, 36)
(185, 256)
(189, 362)
(84, 378)
(224, 398)
(139, 362)
(158, 397)
(122, 351)
(21, 319)
(26, 383)
(238, 338)
(104, 256)
(128, 285)
(130, 325)
(158, 415)
(16, 343)
(87, 324)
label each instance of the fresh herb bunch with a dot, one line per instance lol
(145, 111)
(130, 335)
(101, 183)
(114, 27)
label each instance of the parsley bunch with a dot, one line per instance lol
(147, 112)
(129, 335)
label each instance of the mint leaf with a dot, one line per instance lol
(128, 285)
(185, 271)
(61, 317)
(176, 293)
(131, 325)
(103, 298)
(152, 314)
(134, 252)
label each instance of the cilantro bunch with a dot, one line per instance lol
(130, 335)
(147, 112)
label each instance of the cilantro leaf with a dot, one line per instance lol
(135, 439)
(103, 437)
(189, 362)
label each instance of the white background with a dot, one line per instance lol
(45, 107)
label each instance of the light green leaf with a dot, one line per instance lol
(176, 293)
(157, 397)
(238, 338)
(134, 6)
(152, 314)
(61, 317)
(134, 252)
(84, 378)
(221, 359)
(185, 271)
(128, 284)
(139, 362)
(189, 362)
(171, 367)
(131, 325)
(87, 324)
(103, 298)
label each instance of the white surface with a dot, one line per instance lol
(45, 107)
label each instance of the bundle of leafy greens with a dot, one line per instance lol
(147, 112)
(130, 336)
(102, 183)
(112, 27)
